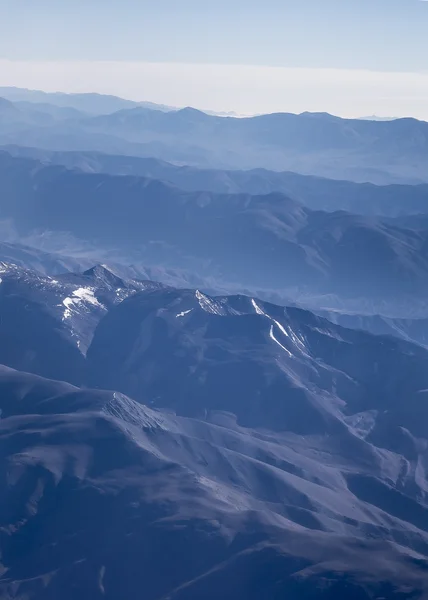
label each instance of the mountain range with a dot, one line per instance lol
(317, 193)
(309, 143)
(262, 450)
(213, 353)
(257, 242)
(89, 103)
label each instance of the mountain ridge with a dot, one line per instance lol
(315, 192)
(89, 102)
(290, 245)
(312, 144)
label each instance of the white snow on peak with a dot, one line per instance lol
(208, 305)
(79, 297)
(86, 294)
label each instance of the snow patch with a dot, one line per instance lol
(257, 308)
(79, 296)
(208, 305)
(289, 333)
(272, 336)
(184, 313)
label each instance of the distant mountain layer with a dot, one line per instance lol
(90, 103)
(412, 330)
(259, 451)
(258, 242)
(39, 261)
(315, 192)
(310, 143)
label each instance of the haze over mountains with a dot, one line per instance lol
(214, 234)
(213, 369)
(310, 143)
(315, 192)
(90, 104)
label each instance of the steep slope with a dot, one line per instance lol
(272, 367)
(103, 497)
(255, 241)
(47, 323)
(316, 193)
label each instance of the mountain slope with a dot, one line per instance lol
(99, 491)
(47, 323)
(274, 367)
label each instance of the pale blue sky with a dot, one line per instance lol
(385, 36)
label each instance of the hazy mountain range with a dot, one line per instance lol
(213, 357)
(93, 104)
(257, 241)
(317, 144)
(315, 192)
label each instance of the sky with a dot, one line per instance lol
(348, 57)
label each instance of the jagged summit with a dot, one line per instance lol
(104, 274)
